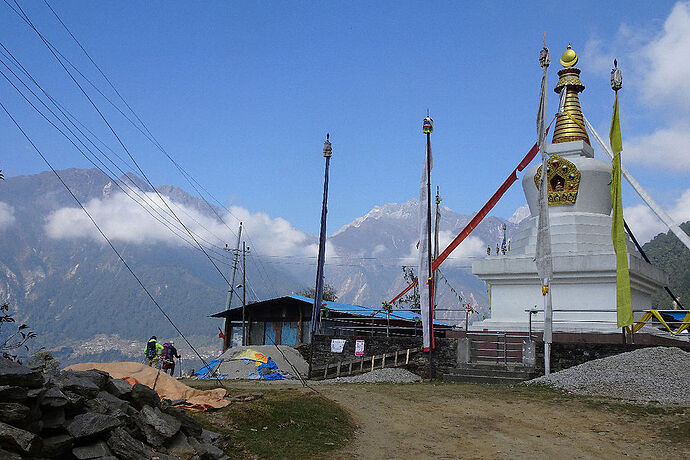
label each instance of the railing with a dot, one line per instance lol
(359, 366)
(654, 321)
(500, 347)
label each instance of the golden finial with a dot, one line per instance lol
(569, 57)
(570, 125)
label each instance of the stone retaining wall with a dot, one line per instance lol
(444, 355)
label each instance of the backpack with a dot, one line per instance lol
(167, 352)
(151, 349)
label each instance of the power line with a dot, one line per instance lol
(148, 293)
(110, 173)
(105, 120)
(149, 135)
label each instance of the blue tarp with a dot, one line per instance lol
(204, 372)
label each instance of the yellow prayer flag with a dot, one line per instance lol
(623, 296)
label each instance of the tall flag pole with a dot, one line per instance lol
(426, 297)
(543, 252)
(318, 291)
(623, 296)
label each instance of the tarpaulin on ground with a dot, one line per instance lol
(208, 371)
(166, 386)
(264, 366)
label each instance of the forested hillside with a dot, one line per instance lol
(668, 253)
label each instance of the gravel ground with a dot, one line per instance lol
(648, 374)
(386, 375)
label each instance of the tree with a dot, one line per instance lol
(12, 341)
(328, 293)
(410, 300)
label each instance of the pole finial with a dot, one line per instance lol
(428, 124)
(544, 55)
(616, 77)
(327, 148)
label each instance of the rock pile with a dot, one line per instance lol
(386, 375)
(89, 415)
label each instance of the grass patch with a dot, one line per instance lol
(283, 424)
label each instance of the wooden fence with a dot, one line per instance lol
(361, 365)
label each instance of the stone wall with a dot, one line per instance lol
(444, 354)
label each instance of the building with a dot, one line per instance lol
(287, 321)
(584, 262)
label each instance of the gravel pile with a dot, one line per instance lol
(386, 375)
(648, 374)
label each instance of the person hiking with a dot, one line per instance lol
(169, 355)
(153, 351)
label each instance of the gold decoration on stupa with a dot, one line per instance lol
(563, 178)
(570, 125)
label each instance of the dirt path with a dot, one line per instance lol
(471, 421)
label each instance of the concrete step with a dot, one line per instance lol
(481, 379)
(524, 375)
(490, 373)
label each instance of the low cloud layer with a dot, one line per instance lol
(6, 215)
(124, 221)
(645, 225)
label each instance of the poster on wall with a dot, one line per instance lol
(359, 348)
(337, 345)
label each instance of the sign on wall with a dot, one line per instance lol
(337, 345)
(359, 348)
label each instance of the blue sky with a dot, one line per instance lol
(242, 94)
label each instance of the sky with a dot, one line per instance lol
(242, 94)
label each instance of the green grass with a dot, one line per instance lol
(282, 424)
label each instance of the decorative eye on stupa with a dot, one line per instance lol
(563, 180)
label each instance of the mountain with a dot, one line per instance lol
(62, 278)
(668, 253)
(375, 246)
(70, 289)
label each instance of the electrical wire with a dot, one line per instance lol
(105, 120)
(149, 135)
(124, 262)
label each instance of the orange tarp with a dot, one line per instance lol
(166, 386)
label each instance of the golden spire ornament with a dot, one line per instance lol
(570, 125)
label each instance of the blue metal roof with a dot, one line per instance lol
(367, 311)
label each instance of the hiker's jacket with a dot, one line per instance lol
(159, 347)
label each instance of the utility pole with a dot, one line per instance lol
(318, 291)
(231, 289)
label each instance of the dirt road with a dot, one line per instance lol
(472, 421)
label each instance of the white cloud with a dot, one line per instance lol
(470, 248)
(668, 68)
(672, 144)
(6, 215)
(122, 220)
(645, 225)
(654, 64)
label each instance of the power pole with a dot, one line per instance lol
(231, 289)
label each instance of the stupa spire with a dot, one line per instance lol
(570, 125)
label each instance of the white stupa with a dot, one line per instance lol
(584, 261)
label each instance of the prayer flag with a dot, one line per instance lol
(623, 296)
